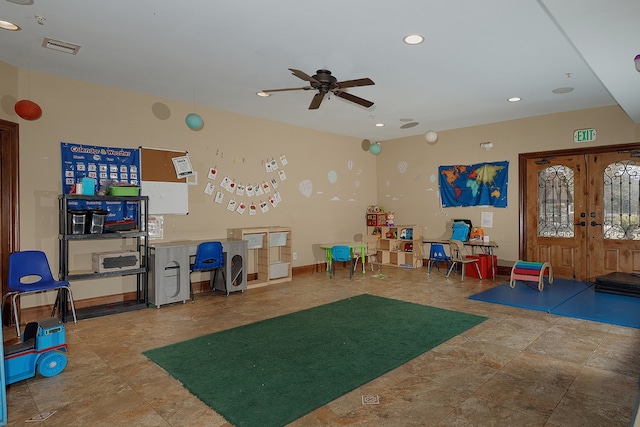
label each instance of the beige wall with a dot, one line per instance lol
(85, 113)
(414, 196)
(8, 88)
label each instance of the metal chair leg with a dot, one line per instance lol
(15, 313)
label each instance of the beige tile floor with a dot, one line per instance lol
(519, 368)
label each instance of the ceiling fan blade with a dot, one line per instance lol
(288, 88)
(315, 102)
(302, 75)
(353, 83)
(353, 98)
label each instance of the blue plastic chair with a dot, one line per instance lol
(341, 254)
(209, 257)
(29, 272)
(438, 255)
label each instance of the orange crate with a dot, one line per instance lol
(484, 264)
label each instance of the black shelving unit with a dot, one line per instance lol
(141, 236)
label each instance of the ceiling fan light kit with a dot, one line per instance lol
(326, 83)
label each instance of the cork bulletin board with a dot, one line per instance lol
(168, 194)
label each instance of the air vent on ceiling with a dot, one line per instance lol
(61, 46)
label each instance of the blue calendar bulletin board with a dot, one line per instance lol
(107, 166)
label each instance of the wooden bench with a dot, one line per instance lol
(528, 271)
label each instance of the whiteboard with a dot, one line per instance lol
(166, 198)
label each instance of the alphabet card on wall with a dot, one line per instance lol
(225, 183)
(239, 190)
(213, 172)
(271, 165)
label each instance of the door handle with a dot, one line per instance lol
(581, 223)
(593, 223)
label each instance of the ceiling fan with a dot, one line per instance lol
(324, 83)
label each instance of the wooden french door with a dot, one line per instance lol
(581, 210)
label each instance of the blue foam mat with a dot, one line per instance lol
(569, 298)
(526, 295)
(619, 310)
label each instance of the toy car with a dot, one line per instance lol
(43, 348)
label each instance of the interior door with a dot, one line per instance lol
(9, 199)
(613, 217)
(556, 231)
(582, 212)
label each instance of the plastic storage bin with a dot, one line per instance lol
(254, 241)
(278, 238)
(76, 221)
(96, 223)
(278, 269)
(124, 190)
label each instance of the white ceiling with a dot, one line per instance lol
(220, 53)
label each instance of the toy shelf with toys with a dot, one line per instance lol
(398, 245)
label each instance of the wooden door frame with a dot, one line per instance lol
(522, 179)
(10, 210)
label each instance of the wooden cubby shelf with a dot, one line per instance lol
(399, 245)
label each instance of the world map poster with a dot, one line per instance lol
(482, 184)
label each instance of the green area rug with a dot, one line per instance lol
(272, 372)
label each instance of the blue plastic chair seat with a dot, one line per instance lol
(209, 257)
(438, 255)
(29, 272)
(341, 253)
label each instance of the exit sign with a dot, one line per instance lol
(584, 135)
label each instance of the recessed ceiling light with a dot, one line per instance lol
(413, 39)
(6, 25)
(263, 94)
(514, 99)
(562, 90)
(379, 125)
(409, 125)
